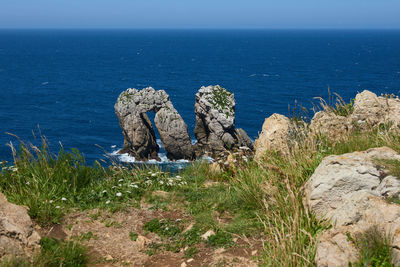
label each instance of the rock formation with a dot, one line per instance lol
(279, 133)
(139, 135)
(215, 121)
(371, 110)
(17, 234)
(352, 191)
(330, 125)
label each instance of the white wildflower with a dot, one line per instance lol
(119, 194)
(161, 182)
(63, 199)
(107, 202)
(57, 207)
(51, 201)
(104, 191)
(178, 177)
(120, 180)
(154, 174)
(119, 185)
(28, 183)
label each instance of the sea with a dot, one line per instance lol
(62, 84)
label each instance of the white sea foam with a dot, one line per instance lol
(163, 156)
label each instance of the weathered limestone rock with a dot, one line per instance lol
(215, 121)
(350, 190)
(332, 126)
(279, 133)
(371, 110)
(17, 234)
(139, 135)
(173, 133)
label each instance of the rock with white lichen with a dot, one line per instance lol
(215, 122)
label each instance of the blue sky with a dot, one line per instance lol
(200, 14)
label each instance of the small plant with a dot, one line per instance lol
(164, 228)
(190, 252)
(133, 236)
(86, 236)
(220, 99)
(53, 253)
(220, 239)
(62, 253)
(374, 247)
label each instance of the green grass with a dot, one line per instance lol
(50, 185)
(53, 253)
(133, 236)
(374, 247)
(257, 200)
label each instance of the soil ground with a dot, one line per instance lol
(107, 235)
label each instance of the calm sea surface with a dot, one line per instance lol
(67, 81)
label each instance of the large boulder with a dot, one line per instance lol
(371, 110)
(330, 125)
(215, 121)
(280, 134)
(17, 233)
(139, 136)
(351, 190)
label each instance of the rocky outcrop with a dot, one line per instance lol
(352, 191)
(371, 110)
(280, 134)
(330, 125)
(215, 121)
(17, 234)
(139, 136)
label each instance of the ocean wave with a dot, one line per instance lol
(126, 158)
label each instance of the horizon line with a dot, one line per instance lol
(199, 28)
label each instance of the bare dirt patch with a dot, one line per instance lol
(118, 239)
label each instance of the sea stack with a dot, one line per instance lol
(215, 122)
(139, 136)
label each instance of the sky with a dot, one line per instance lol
(200, 14)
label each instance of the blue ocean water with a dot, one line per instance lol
(67, 81)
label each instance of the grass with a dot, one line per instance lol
(374, 247)
(53, 253)
(50, 185)
(257, 200)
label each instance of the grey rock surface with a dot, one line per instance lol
(139, 136)
(17, 233)
(215, 121)
(351, 190)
